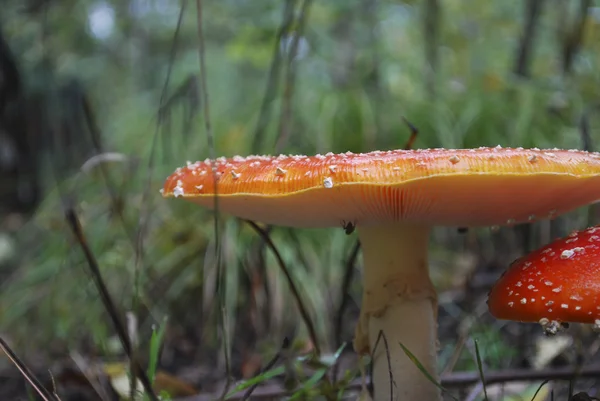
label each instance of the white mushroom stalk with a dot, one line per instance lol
(399, 305)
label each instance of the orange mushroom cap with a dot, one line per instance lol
(558, 282)
(469, 187)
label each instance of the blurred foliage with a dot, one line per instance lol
(361, 65)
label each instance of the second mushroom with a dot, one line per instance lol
(554, 285)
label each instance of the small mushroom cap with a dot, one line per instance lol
(559, 282)
(470, 187)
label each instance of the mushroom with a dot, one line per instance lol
(394, 198)
(553, 285)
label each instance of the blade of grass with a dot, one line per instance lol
(480, 369)
(155, 348)
(420, 366)
(255, 381)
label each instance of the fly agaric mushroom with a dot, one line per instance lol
(553, 285)
(394, 198)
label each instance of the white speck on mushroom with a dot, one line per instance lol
(328, 182)
(332, 169)
(531, 217)
(548, 283)
(564, 306)
(576, 298)
(557, 289)
(178, 190)
(578, 307)
(532, 299)
(510, 222)
(549, 303)
(280, 171)
(235, 175)
(532, 159)
(523, 301)
(519, 284)
(454, 159)
(567, 253)
(530, 287)
(511, 304)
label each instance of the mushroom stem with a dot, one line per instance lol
(399, 301)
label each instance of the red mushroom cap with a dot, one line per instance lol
(465, 187)
(559, 282)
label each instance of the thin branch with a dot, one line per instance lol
(381, 336)
(109, 305)
(27, 374)
(533, 11)
(295, 293)
(274, 73)
(374, 88)
(346, 281)
(414, 133)
(284, 347)
(285, 120)
(221, 282)
(453, 380)
(431, 22)
(145, 204)
(573, 39)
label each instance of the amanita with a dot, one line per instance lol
(395, 198)
(553, 285)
